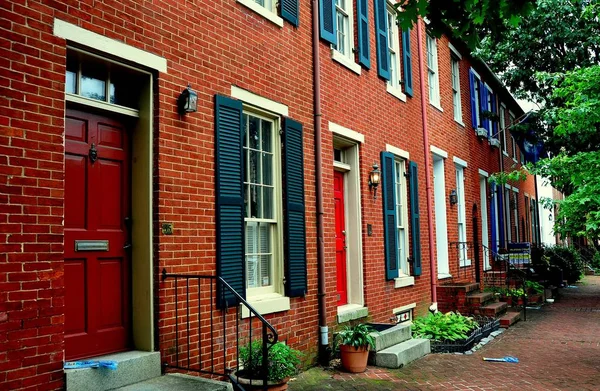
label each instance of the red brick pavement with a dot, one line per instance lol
(558, 348)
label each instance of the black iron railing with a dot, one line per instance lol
(463, 253)
(206, 322)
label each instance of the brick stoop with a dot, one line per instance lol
(509, 318)
(493, 309)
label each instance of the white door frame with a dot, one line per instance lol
(441, 219)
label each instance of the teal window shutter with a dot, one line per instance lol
(389, 215)
(229, 194)
(364, 53)
(294, 213)
(383, 56)
(406, 62)
(290, 11)
(327, 20)
(415, 221)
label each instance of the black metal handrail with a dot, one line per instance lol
(463, 253)
(202, 325)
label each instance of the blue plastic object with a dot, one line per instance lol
(503, 359)
(110, 364)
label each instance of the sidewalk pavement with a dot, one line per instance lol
(558, 348)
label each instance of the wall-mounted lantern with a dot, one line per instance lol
(374, 179)
(187, 101)
(453, 197)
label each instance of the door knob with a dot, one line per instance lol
(127, 246)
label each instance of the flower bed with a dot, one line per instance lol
(486, 327)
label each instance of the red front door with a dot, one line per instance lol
(340, 238)
(97, 205)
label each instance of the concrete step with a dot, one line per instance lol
(509, 319)
(479, 297)
(179, 382)
(133, 367)
(392, 336)
(401, 354)
(493, 309)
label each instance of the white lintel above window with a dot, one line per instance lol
(397, 151)
(459, 162)
(437, 151)
(483, 173)
(455, 51)
(346, 133)
(257, 100)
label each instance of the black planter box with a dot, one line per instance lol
(486, 327)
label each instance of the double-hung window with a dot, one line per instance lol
(343, 21)
(512, 138)
(455, 68)
(477, 87)
(394, 51)
(432, 71)
(401, 215)
(288, 10)
(503, 128)
(262, 192)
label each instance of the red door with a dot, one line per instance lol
(340, 238)
(97, 204)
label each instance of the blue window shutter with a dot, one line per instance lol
(501, 214)
(415, 221)
(364, 52)
(485, 123)
(494, 247)
(290, 11)
(389, 215)
(495, 121)
(294, 220)
(383, 58)
(407, 62)
(229, 193)
(472, 81)
(327, 20)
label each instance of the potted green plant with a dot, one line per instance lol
(354, 343)
(534, 291)
(282, 363)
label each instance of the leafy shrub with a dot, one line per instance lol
(535, 287)
(357, 336)
(283, 361)
(568, 260)
(450, 326)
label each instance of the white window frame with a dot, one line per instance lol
(400, 188)
(433, 72)
(393, 85)
(503, 128)
(456, 98)
(461, 215)
(512, 138)
(516, 213)
(345, 58)
(477, 91)
(268, 9)
(507, 223)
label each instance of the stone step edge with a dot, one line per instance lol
(392, 336)
(401, 354)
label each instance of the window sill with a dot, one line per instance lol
(437, 106)
(397, 92)
(443, 276)
(350, 312)
(404, 281)
(267, 304)
(458, 121)
(505, 153)
(345, 61)
(466, 263)
(262, 11)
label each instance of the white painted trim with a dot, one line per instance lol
(465, 263)
(455, 51)
(342, 166)
(404, 308)
(437, 105)
(102, 105)
(507, 186)
(401, 282)
(262, 11)
(346, 133)
(526, 195)
(267, 305)
(443, 276)
(515, 189)
(475, 73)
(483, 173)
(438, 151)
(345, 61)
(459, 122)
(397, 151)
(460, 162)
(104, 44)
(260, 101)
(397, 92)
(488, 87)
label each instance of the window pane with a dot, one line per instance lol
(253, 132)
(93, 80)
(267, 203)
(253, 167)
(71, 76)
(267, 141)
(267, 169)
(254, 201)
(265, 270)
(124, 87)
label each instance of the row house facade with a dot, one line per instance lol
(271, 184)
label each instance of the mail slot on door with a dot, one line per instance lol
(91, 245)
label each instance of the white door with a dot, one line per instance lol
(441, 225)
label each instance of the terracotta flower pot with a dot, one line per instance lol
(354, 359)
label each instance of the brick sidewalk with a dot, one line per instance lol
(558, 348)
